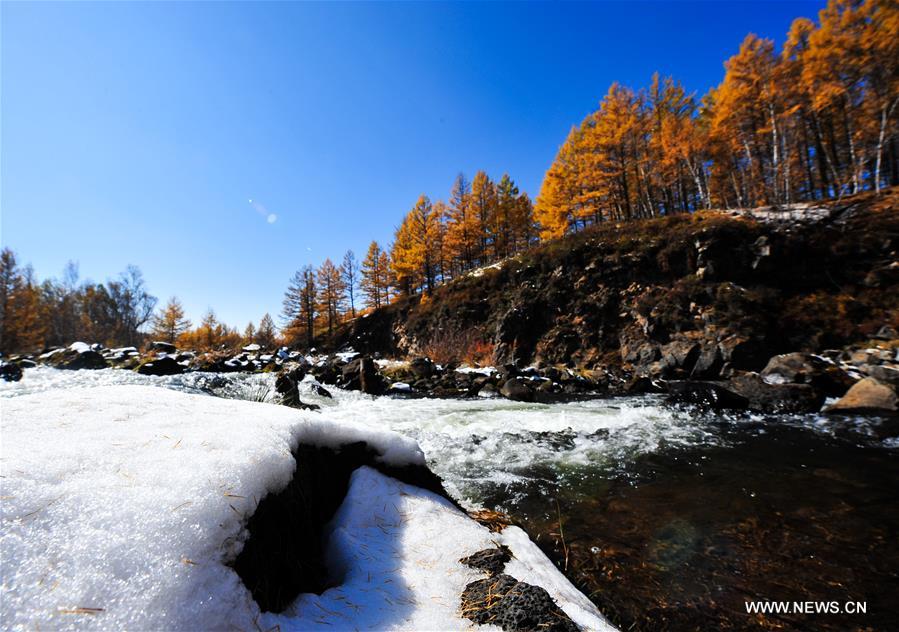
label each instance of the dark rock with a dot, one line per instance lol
(287, 386)
(706, 394)
(421, 367)
(491, 561)
(867, 396)
(642, 384)
(164, 347)
(369, 380)
(708, 363)
(74, 360)
(805, 368)
(488, 390)
(776, 398)
(514, 606)
(321, 391)
(515, 389)
(10, 372)
(160, 366)
(744, 353)
(680, 354)
(886, 333)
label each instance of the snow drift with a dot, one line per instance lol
(123, 507)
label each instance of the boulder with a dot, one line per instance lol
(160, 366)
(708, 363)
(515, 389)
(421, 367)
(706, 394)
(75, 358)
(163, 347)
(369, 380)
(10, 372)
(505, 602)
(488, 391)
(775, 398)
(805, 368)
(867, 396)
(743, 353)
(679, 354)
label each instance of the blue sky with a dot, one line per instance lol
(139, 132)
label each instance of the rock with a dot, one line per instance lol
(421, 367)
(75, 358)
(512, 605)
(708, 363)
(488, 391)
(10, 372)
(706, 394)
(867, 396)
(515, 389)
(886, 333)
(369, 380)
(805, 368)
(775, 398)
(287, 386)
(491, 561)
(164, 347)
(321, 391)
(680, 354)
(743, 353)
(160, 366)
(642, 384)
(881, 373)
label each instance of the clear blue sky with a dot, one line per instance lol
(138, 132)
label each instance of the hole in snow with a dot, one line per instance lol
(284, 554)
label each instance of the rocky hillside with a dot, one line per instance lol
(676, 297)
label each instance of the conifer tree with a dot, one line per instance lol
(170, 322)
(266, 334)
(330, 294)
(372, 276)
(349, 274)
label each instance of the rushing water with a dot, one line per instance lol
(667, 518)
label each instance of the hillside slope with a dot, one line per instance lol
(671, 297)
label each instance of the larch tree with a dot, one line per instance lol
(266, 334)
(371, 281)
(170, 322)
(330, 294)
(349, 273)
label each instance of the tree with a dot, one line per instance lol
(482, 210)
(170, 323)
(20, 326)
(462, 234)
(372, 276)
(249, 333)
(330, 293)
(349, 274)
(133, 305)
(266, 334)
(299, 308)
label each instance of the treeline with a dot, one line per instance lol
(482, 221)
(814, 120)
(36, 315)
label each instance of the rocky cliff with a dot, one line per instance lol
(694, 295)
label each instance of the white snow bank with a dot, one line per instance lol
(397, 548)
(123, 504)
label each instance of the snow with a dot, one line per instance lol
(401, 571)
(79, 347)
(401, 387)
(484, 370)
(252, 347)
(124, 504)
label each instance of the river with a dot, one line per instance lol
(666, 517)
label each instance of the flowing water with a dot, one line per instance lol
(666, 517)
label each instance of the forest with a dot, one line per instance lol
(814, 120)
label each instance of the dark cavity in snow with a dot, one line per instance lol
(284, 554)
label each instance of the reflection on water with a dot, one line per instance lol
(670, 519)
